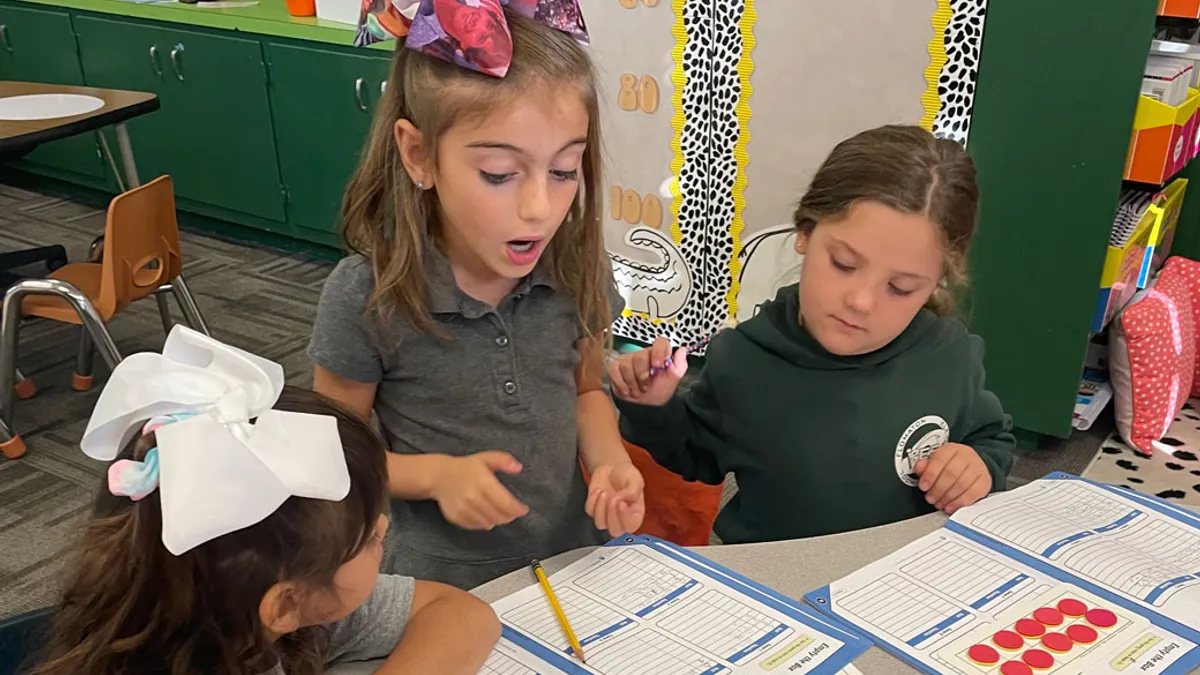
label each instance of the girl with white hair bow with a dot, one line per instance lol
(240, 532)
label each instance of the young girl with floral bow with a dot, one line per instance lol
(240, 533)
(472, 315)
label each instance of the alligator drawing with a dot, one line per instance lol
(658, 290)
(769, 261)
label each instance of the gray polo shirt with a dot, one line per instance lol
(497, 379)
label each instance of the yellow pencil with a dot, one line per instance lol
(558, 610)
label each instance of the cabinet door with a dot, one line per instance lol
(323, 102)
(223, 136)
(213, 134)
(39, 46)
(119, 55)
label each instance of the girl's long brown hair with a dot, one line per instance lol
(129, 607)
(389, 221)
(908, 169)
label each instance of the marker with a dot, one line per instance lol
(691, 349)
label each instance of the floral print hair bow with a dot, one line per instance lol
(471, 33)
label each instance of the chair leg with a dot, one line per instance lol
(187, 302)
(25, 387)
(96, 250)
(164, 311)
(82, 379)
(11, 444)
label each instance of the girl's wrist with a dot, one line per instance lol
(415, 477)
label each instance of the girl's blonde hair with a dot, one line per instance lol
(130, 607)
(910, 170)
(387, 219)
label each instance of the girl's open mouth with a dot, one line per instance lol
(522, 252)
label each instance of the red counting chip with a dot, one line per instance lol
(1030, 628)
(1006, 639)
(1048, 616)
(1015, 668)
(1082, 633)
(1101, 618)
(1037, 658)
(1072, 607)
(984, 655)
(1057, 642)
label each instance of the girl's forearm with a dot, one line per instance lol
(599, 436)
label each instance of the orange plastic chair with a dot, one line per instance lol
(679, 511)
(141, 256)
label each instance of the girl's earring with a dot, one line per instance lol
(420, 185)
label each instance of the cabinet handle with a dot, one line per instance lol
(383, 88)
(175, 52)
(358, 94)
(4, 38)
(155, 64)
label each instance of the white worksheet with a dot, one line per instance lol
(1109, 539)
(645, 607)
(1077, 578)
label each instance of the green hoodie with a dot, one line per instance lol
(819, 442)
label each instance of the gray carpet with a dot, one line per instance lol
(1072, 455)
(260, 300)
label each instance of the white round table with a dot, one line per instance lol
(791, 567)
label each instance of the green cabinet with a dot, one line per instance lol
(322, 104)
(1049, 154)
(39, 46)
(213, 133)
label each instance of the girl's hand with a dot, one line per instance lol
(615, 498)
(631, 379)
(470, 495)
(954, 476)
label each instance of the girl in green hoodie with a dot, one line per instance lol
(853, 398)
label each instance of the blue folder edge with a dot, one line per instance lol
(821, 600)
(854, 643)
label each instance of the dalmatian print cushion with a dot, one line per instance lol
(1153, 355)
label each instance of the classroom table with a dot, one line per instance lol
(791, 567)
(18, 137)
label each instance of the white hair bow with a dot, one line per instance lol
(216, 471)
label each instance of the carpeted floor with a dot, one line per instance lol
(261, 300)
(258, 299)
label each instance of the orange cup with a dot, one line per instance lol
(302, 7)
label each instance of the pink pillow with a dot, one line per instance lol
(1152, 356)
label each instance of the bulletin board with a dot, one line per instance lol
(716, 114)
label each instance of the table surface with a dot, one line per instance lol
(268, 17)
(792, 568)
(118, 107)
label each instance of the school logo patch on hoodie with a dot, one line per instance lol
(919, 441)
